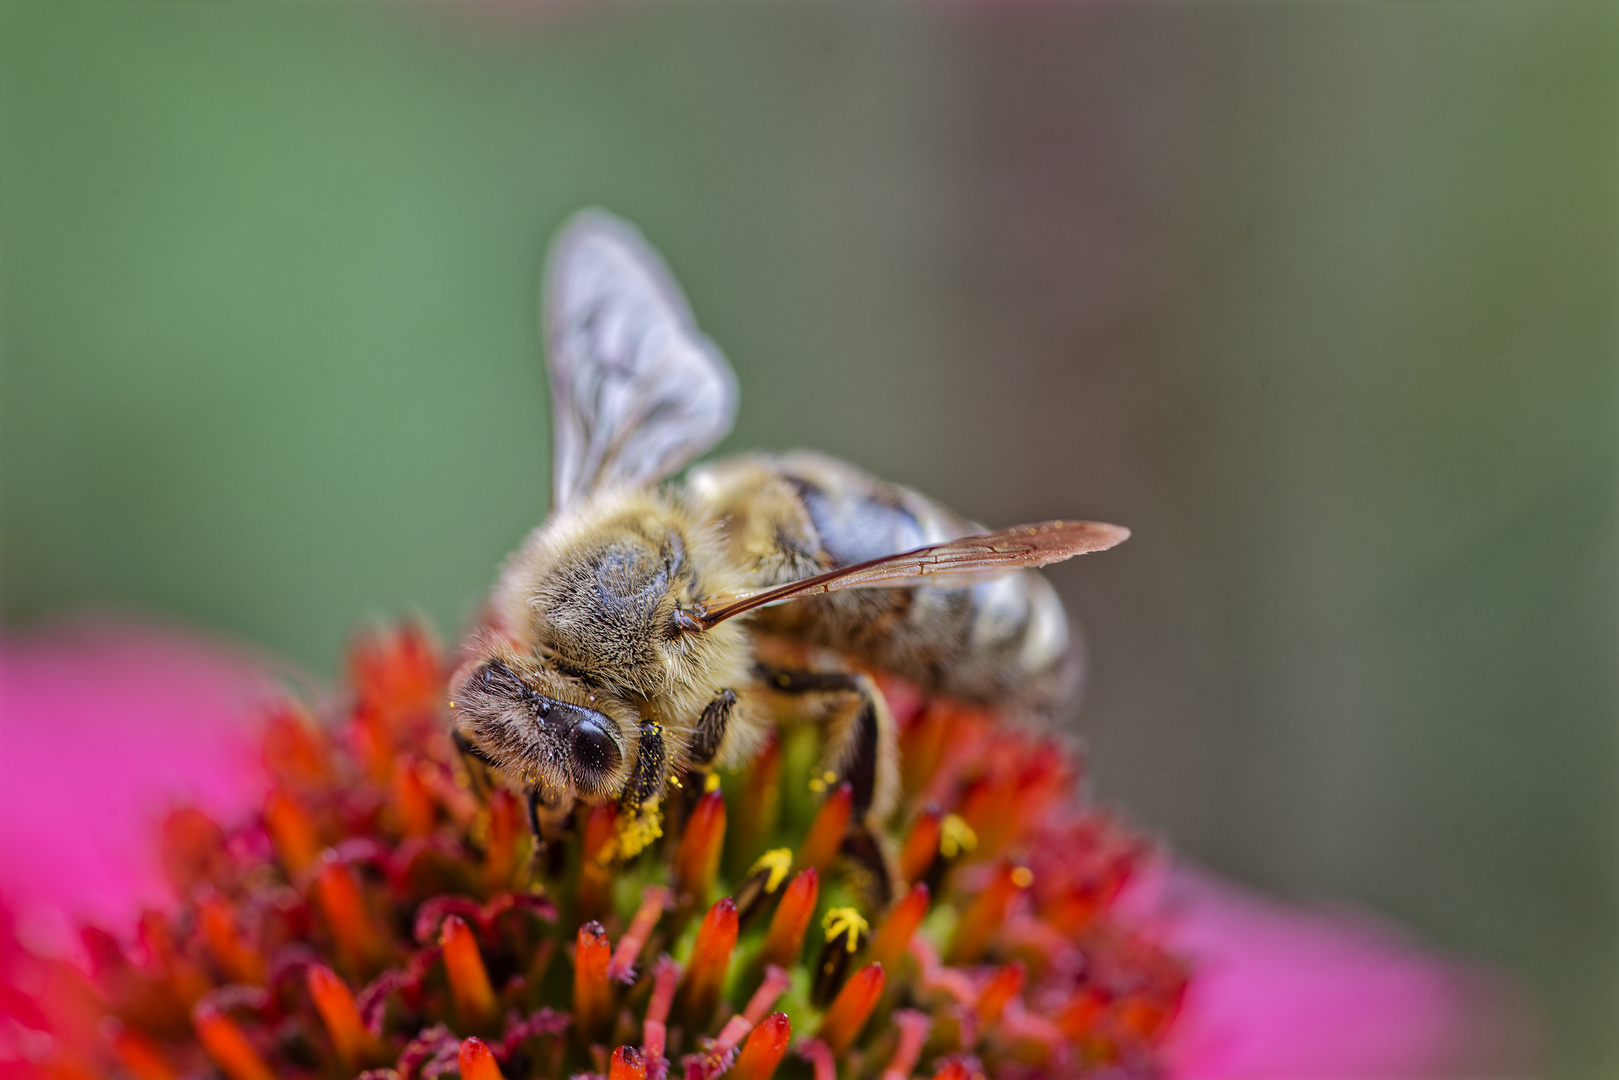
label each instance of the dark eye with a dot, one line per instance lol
(589, 740)
(594, 750)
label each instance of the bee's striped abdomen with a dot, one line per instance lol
(1002, 638)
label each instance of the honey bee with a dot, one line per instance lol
(620, 647)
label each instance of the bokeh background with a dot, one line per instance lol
(1323, 300)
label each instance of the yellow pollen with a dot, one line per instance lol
(845, 920)
(955, 836)
(778, 861)
(1022, 877)
(636, 831)
(711, 782)
(816, 784)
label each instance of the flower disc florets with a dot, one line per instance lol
(382, 919)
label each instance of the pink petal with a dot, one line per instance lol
(104, 727)
(1280, 991)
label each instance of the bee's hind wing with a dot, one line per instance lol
(636, 390)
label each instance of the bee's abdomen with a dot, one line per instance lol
(998, 639)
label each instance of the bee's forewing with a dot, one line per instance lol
(636, 390)
(1006, 549)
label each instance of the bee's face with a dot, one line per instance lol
(544, 728)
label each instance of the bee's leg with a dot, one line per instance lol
(709, 736)
(548, 819)
(543, 861)
(651, 760)
(480, 770)
(859, 732)
(639, 818)
(552, 821)
(691, 777)
(534, 814)
(860, 749)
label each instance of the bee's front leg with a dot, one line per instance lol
(550, 814)
(552, 821)
(640, 819)
(549, 818)
(651, 764)
(480, 769)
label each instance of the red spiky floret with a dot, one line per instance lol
(765, 1048)
(381, 916)
(785, 938)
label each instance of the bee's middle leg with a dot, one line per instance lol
(709, 735)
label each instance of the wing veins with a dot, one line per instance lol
(1023, 546)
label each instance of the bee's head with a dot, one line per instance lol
(542, 728)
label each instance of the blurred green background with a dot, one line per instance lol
(1322, 300)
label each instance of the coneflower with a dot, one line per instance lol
(378, 919)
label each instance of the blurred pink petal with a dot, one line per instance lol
(105, 726)
(1282, 992)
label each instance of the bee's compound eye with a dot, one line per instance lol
(595, 751)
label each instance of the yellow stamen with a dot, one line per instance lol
(848, 921)
(955, 837)
(778, 861)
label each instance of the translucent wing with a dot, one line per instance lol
(1007, 549)
(636, 390)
